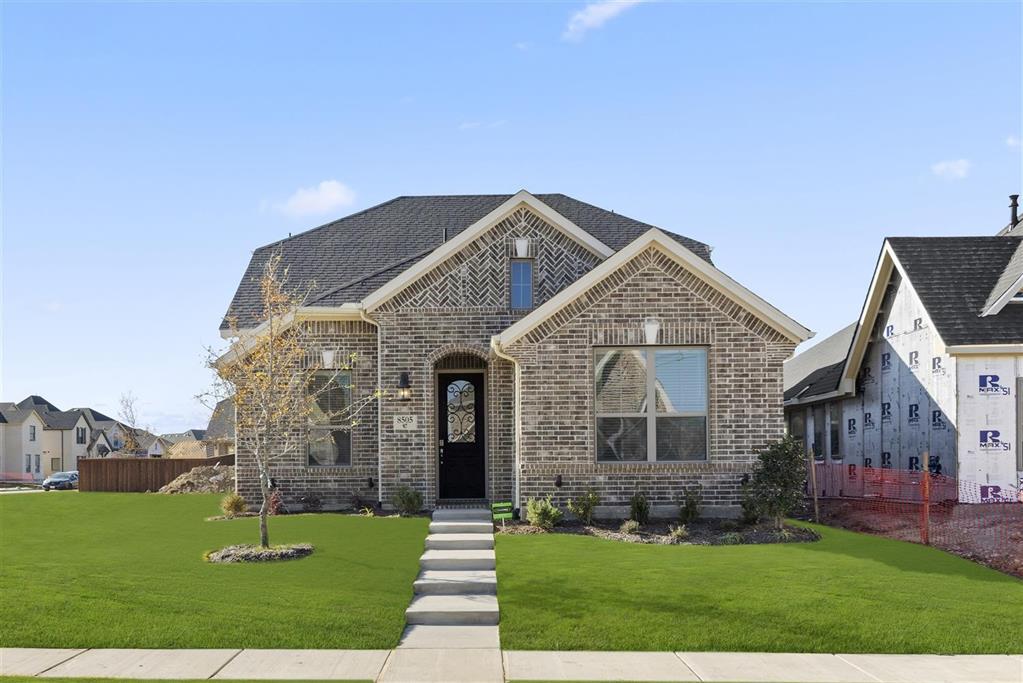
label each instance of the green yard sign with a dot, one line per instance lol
(502, 511)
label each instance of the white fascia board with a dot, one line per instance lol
(247, 338)
(444, 251)
(654, 237)
(985, 349)
(1006, 296)
(886, 263)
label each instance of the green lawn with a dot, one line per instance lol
(126, 570)
(847, 593)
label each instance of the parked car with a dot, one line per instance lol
(61, 481)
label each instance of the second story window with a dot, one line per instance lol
(80, 435)
(31, 432)
(522, 284)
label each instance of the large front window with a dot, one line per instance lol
(330, 428)
(651, 404)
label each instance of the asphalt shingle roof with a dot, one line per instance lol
(221, 424)
(39, 403)
(954, 277)
(66, 419)
(820, 381)
(355, 255)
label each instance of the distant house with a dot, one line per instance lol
(220, 430)
(21, 456)
(187, 435)
(930, 377)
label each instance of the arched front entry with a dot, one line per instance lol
(461, 410)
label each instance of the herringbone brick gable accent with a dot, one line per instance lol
(477, 276)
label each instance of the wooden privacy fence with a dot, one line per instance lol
(137, 474)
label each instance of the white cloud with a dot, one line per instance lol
(952, 169)
(1012, 141)
(523, 46)
(311, 201)
(593, 16)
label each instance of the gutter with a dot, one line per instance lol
(495, 345)
(380, 405)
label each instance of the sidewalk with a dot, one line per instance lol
(495, 666)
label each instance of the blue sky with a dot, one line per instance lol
(148, 148)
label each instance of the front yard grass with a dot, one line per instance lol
(126, 570)
(846, 593)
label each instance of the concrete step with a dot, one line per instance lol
(461, 528)
(462, 515)
(454, 582)
(464, 610)
(458, 559)
(460, 541)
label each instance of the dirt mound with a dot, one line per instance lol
(203, 479)
(253, 553)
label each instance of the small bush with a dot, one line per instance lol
(778, 479)
(731, 538)
(677, 534)
(689, 503)
(584, 506)
(728, 525)
(639, 508)
(362, 499)
(750, 507)
(311, 503)
(276, 505)
(232, 504)
(367, 512)
(407, 501)
(629, 526)
(542, 513)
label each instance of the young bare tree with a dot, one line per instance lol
(278, 381)
(127, 412)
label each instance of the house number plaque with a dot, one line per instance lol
(405, 423)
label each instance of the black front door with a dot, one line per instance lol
(462, 435)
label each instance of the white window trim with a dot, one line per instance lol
(532, 283)
(651, 415)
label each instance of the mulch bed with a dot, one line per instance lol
(254, 553)
(701, 532)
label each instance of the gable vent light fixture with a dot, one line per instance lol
(404, 388)
(651, 327)
(328, 358)
(521, 247)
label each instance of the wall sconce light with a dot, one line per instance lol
(651, 327)
(328, 358)
(404, 388)
(369, 483)
(558, 481)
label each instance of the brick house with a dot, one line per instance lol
(530, 345)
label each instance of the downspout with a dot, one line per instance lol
(380, 406)
(495, 344)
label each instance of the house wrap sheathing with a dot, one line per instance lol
(931, 374)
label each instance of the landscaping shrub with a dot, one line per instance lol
(728, 525)
(679, 533)
(731, 538)
(407, 501)
(778, 477)
(542, 513)
(629, 526)
(689, 503)
(276, 506)
(584, 506)
(232, 504)
(639, 508)
(311, 503)
(362, 499)
(750, 507)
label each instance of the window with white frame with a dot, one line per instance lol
(37, 464)
(31, 432)
(651, 404)
(521, 279)
(330, 428)
(28, 464)
(80, 435)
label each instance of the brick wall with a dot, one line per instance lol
(334, 485)
(557, 394)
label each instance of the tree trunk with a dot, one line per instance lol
(264, 508)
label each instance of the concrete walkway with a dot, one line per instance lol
(475, 665)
